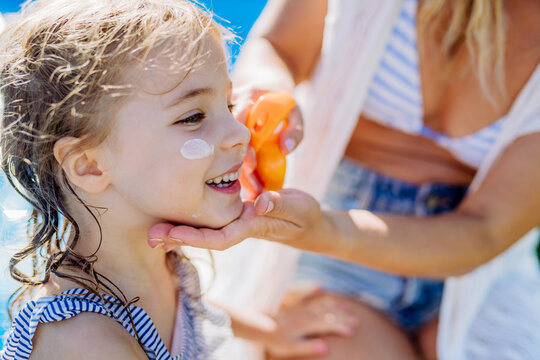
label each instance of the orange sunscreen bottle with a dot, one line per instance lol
(266, 119)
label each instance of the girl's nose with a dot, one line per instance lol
(236, 134)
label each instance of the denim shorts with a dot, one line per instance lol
(409, 302)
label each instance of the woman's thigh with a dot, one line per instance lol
(375, 338)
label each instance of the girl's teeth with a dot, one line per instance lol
(225, 178)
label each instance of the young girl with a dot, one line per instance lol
(116, 116)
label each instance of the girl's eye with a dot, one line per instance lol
(231, 107)
(192, 119)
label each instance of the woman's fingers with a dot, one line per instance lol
(187, 235)
(266, 202)
(292, 205)
(300, 348)
(306, 320)
(288, 214)
(158, 233)
(326, 315)
(293, 134)
(332, 323)
(244, 97)
(290, 137)
(217, 239)
(251, 186)
(250, 160)
(300, 294)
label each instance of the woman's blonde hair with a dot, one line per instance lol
(61, 69)
(477, 24)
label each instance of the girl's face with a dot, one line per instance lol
(169, 149)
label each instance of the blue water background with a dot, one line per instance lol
(238, 15)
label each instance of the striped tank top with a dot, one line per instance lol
(394, 98)
(202, 332)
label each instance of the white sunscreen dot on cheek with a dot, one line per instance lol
(197, 149)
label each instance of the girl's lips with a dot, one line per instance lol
(231, 170)
(233, 188)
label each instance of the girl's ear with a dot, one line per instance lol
(83, 168)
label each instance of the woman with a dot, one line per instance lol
(423, 97)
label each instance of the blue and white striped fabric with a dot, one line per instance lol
(395, 96)
(205, 330)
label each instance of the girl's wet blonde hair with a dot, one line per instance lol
(61, 67)
(478, 25)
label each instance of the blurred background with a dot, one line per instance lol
(238, 15)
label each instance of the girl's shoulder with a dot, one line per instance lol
(72, 323)
(48, 328)
(85, 336)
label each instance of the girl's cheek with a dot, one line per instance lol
(195, 149)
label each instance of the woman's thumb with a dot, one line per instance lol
(267, 203)
(303, 348)
(285, 204)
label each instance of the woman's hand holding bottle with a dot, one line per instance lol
(288, 139)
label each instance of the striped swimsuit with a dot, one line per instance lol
(394, 98)
(201, 331)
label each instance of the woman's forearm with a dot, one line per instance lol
(259, 65)
(250, 325)
(438, 246)
(283, 46)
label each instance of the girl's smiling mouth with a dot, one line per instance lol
(226, 183)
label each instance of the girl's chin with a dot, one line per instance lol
(224, 218)
(214, 219)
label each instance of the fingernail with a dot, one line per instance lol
(180, 241)
(321, 348)
(154, 243)
(269, 207)
(169, 247)
(290, 144)
(174, 237)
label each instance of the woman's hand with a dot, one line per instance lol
(303, 317)
(290, 137)
(245, 96)
(280, 216)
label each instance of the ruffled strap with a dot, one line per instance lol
(19, 344)
(70, 303)
(209, 327)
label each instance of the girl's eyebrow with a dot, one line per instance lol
(191, 94)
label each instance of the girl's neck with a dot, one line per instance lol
(120, 245)
(123, 257)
